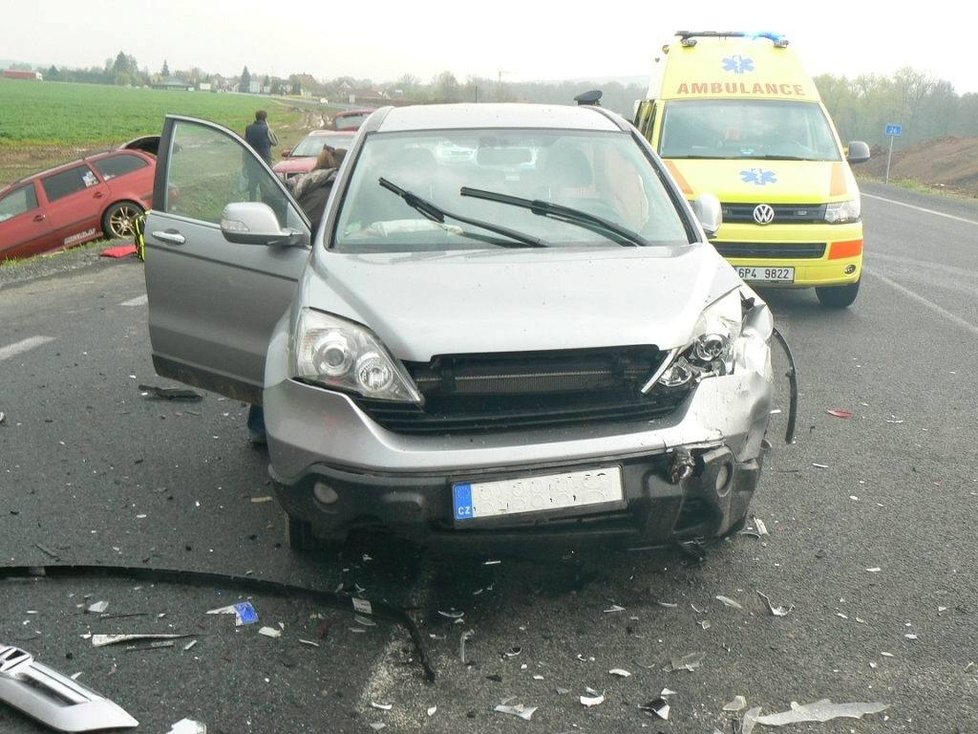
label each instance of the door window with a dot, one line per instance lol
(208, 169)
(119, 165)
(59, 185)
(17, 202)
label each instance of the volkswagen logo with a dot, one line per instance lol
(763, 213)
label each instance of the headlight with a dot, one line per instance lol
(843, 211)
(342, 355)
(720, 343)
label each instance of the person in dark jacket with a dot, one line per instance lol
(261, 138)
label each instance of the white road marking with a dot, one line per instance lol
(922, 264)
(26, 345)
(140, 301)
(929, 304)
(921, 209)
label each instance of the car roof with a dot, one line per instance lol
(330, 133)
(72, 163)
(497, 115)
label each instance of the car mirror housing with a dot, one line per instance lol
(858, 152)
(708, 212)
(254, 223)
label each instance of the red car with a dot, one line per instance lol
(350, 119)
(97, 196)
(302, 157)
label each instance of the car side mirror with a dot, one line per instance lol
(254, 223)
(287, 152)
(858, 152)
(709, 213)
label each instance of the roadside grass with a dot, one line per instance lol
(88, 247)
(44, 124)
(923, 188)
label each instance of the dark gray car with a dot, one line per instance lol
(528, 335)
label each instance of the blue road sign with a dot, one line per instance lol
(893, 131)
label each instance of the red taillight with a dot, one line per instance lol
(849, 248)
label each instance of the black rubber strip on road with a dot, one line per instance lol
(792, 375)
(335, 599)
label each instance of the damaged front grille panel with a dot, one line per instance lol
(488, 392)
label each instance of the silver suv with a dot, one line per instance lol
(534, 337)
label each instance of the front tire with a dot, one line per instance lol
(120, 219)
(838, 296)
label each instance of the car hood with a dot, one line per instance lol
(751, 181)
(425, 304)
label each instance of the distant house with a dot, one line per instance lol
(20, 74)
(172, 83)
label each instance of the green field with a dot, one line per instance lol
(43, 124)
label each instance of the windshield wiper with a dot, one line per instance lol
(437, 214)
(623, 235)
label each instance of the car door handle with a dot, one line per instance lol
(97, 195)
(174, 238)
(39, 217)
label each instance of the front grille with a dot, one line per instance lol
(495, 392)
(772, 250)
(783, 213)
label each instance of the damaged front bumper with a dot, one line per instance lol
(689, 475)
(55, 699)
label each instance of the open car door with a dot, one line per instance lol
(215, 294)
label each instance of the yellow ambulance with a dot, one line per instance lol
(734, 114)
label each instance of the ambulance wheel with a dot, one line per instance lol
(838, 296)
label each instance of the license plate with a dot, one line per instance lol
(767, 275)
(478, 500)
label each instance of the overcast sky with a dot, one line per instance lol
(516, 40)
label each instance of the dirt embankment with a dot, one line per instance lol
(948, 163)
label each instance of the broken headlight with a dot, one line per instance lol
(712, 350)
(343, 355)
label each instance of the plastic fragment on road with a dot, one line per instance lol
(362, 606)
(189, 645)
(613, 609)
(524, 712)
(738, 704)
(875, 569)
(365, 621)
(431, 710)
(750, 720)
(377, 725)
(381, 706)
(463, 638)
(188, 726)
(620, 673)
(820, 466)
(704, 624)
(761, 527)
(840, 412)
(589, 701)
(98, 607)
(55, 699)
(3, 418)
(270, 632)
(659, 707)
(451, 614)
(688, 662)
(170, 393)
(103, 640)
(727, 601)
(309, 643)
(260, 500)
(820, 711)
(776, 611)
(244, 612)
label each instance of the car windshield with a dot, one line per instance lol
(603, 174)
(311, 145)
(736, 128)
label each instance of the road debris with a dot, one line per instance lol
(98, 607)
(688, 662)
(270, 632)
(170, 393)
(613, 609)
(244, 612)
(820, 711)
(704, 624)
(593, 700)
(103, 640)
(738, 704)
(188, 726)
(47, 551)
(262, 499)
(3, 418)
(309, 643)
(465, 636)
(524, 712)
(727, 601)
(659, 707)
(750, 720)
(513, 651)
(776, 611)
(432, 710)
(451, 614)
(875, 569)
(840, 412)
(620, 673)
(820, 466)
(381, 706)
(189, 645)
(378, 725)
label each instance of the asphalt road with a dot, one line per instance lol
(870, 520)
